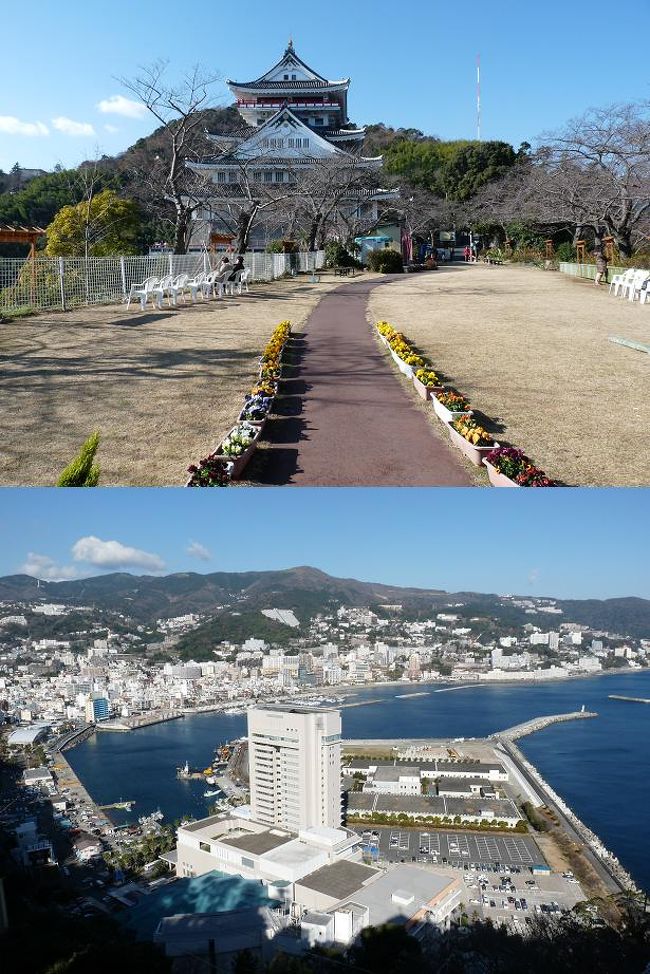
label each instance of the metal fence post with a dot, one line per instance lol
(171, 264)
(61, 282)
(123, 273)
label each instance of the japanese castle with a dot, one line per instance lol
(294, 118)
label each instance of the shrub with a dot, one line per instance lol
(336, 255)
(386, 261)
(82, 471)
(566, 252)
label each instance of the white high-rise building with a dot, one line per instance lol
(295, 766)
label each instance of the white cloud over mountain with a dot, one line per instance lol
(92, 551)
(197, 550)
(113, 554)
(44, 567)
(11, 125)
(69, 127)
(119, 105)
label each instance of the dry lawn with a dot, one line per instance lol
(161, 387)
(530, 350)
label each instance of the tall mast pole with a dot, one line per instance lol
(478, 97)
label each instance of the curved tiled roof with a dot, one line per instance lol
(288, 85)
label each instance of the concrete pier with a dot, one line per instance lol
(539, 723)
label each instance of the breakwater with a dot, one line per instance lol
(141, 720)
(606, 864)
(618, 696)
(539, 723)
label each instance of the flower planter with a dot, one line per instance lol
(238, 463)
(446, 415)
(261, 423)
(401, 365)
(497, 479)
(425, 392)
(473, 453)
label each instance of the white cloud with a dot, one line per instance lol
(197, 550)
(113, 554)
(533, 576)
(13, 126)
(119, 105)
(44, 567)
(69, 127)
(111, 128)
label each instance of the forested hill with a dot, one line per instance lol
(455, 170)
(308, 591)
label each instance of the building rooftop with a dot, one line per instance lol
(259, 843)
(291, 708)
(340, 879)
(402, 892)
(394, 774)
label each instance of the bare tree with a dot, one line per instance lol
(249, 194)
(335, 190)
(165, 183)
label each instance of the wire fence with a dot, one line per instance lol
(61, 283)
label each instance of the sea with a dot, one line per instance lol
(601, 766)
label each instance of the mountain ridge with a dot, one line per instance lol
(306, 589)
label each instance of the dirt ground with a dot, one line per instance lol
(530, 350)
(161, 387)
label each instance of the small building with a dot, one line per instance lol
(397, 780)
(86, 847)
(39, 778)
(27, 736)
(540, 869)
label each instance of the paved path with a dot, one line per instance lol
(344, 417)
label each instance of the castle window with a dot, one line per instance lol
(279, 177)
(232, 177)
(268, 176)
(221, 177)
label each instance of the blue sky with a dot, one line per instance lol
(560, 542)
(411, 65)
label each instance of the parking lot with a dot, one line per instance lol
(457, 849)
(494, 869)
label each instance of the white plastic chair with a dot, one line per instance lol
(231, 285)
(638, 284)
(244, 279)
(163, 290)
(178, 286)
(619, 281)
(195, 286)
(220, 281)
(143, 291)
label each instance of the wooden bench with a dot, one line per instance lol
(343, 271)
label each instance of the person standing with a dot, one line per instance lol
(601, 267)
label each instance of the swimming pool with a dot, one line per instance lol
(214, 892)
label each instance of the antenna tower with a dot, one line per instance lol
(478, 97)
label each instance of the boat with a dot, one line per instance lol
(211, 794)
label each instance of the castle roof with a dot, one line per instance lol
(289, 62)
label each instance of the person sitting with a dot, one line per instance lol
(236, 267)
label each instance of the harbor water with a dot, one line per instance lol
(601, 767)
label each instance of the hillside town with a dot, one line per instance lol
(117, 669)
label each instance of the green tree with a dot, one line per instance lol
(100, 226)
(452, 170)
